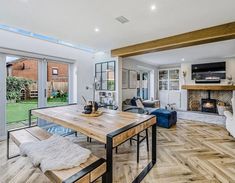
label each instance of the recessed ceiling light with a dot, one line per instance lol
(182, 59)
(153, 7)
(96, 29)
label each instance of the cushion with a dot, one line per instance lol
(133, 101)
(162, 112)
(139, 104)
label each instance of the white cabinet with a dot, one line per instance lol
(169, 87)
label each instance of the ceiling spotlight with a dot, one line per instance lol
(182, 59)
(153, 7)
(97, 29)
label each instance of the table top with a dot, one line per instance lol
(94, 127)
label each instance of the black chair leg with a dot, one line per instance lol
(147, 139)
(131, 141)
(116, 150)
(138, 148)
(88, 139)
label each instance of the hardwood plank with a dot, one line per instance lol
(202, 36)
(189, 152)
(22, 136)
(39, 133)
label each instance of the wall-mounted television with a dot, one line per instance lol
(209, 71)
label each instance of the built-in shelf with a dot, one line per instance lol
(209, 87)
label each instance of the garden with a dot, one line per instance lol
(18, 106)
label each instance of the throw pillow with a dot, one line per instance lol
(139, 104)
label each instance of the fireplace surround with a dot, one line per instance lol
(205, 101)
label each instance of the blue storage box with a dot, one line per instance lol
(165, 118)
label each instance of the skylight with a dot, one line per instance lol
(45, 38)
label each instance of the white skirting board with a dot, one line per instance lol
(201, 117)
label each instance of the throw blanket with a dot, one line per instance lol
(55, 153)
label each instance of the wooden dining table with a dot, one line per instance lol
(111, 128)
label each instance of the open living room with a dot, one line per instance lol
(117, 91)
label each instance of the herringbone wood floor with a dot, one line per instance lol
(188, 152)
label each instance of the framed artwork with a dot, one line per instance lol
(125, 78)
(132, 79)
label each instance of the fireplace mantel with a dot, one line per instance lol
(209, 87)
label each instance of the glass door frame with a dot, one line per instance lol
(141, 72)
(42, 81)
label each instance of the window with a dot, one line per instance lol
(54, 71)
(105, 75)
(143, 84)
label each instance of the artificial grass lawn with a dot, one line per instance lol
(17, 112)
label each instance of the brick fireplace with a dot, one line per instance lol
(205, 98)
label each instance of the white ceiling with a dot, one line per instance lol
(207, 52)
(75, 20)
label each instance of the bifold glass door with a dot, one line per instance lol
(21, 90)
(57, 83)
(33, 83)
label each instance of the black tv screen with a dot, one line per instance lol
(209, 71)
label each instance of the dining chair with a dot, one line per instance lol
(139, 138)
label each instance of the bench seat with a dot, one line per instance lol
(85, 170)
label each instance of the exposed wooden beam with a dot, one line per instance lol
(202, 36)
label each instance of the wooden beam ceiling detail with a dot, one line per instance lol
(202, 36)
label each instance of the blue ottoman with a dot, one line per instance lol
(165, 118)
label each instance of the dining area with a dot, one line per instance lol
(101, 158)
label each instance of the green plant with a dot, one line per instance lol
(14, 87)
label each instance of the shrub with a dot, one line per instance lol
(15, 85)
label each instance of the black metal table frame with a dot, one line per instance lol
(109, 152)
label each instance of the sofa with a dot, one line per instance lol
(147, 105)
(230, 119)
(165, 118)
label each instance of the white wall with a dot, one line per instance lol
(131, 64)
(83, 60)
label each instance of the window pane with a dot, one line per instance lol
(57, 83)
(111, 66)
(98, 67)
(163, 75)
(163, 85)
(21, 90)
(104, 76)
(104, 85)
(174, 74)
(104, 67)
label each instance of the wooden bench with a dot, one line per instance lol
(87, 172)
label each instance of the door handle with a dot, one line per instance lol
(45, 93)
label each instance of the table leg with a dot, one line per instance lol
(154, 143)
(146, 170)
(109, 160)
